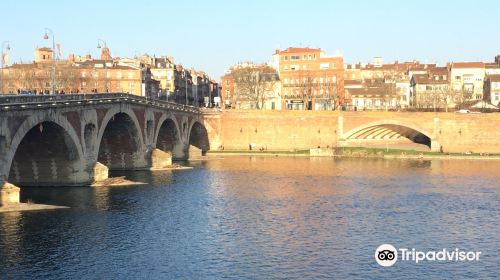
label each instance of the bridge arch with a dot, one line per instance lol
(167, 134)
(388, 131)
(198, 136)
(120, 142)
(45, 151)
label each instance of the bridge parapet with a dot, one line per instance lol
(23, 102)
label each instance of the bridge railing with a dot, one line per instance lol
(13, 102)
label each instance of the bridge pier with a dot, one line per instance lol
(100, 172)
(435, 146)
(179, 151)
(160, 159)
(9, 194)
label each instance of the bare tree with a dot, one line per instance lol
(67, 79)
(459, 96)
(255, 84)
(306, 86)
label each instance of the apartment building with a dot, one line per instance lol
(310, 79)
(468, 78)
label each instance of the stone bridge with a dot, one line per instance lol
(60, 140)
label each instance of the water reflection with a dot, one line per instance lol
(266, 218)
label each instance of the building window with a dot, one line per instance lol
(457, 78)
(324, 66)
(84, 74)
(286, 57)
(294, 57)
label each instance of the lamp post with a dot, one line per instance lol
(105, 72)
(2, 57)
(46, 36)
(186, 80)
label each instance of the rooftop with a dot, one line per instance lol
(44, 49)
(297, 50)
(493, 78)
(467, 65)
(424, 79)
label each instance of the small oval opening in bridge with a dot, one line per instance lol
(46, 156)
(390, 135)
(119, 147)
(167, 136)
(198, 137)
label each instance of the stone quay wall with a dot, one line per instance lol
(297, 130)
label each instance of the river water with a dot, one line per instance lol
(263, 218)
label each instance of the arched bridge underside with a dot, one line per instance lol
(60, 142)
(382, 134)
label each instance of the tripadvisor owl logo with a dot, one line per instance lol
(386, 255)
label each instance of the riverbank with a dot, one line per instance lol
(361, 152)
(174, 166)
(260, 154)
(28, 207)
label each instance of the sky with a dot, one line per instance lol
(213, 35)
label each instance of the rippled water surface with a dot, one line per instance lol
(262, 218)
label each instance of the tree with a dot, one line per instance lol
(67, 79)
(254, 84)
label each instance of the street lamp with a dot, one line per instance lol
(46, 37)
(105, 72)
(185, 79)
(3, 58)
